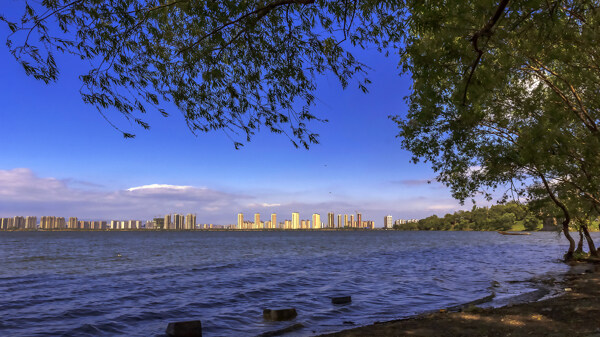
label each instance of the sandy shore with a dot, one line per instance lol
(576, 312)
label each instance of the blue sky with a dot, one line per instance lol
(60, 157)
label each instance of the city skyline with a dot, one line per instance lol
(61, 156)
(177, 221)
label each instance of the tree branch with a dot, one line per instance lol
(260, 12)
(486, 31)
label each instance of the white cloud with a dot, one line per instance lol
(158, 187)
(262, 205)
(24, 193)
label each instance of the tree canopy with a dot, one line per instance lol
(226, 65)
(505, 95)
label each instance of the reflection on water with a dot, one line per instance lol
(134, 283)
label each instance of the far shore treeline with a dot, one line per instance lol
(511, 216)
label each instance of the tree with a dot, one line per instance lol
(227, 65)
(506, 97)
(531, 223)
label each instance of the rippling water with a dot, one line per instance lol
(134, 283)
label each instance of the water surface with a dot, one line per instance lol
(134, 283)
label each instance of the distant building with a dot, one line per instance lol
(73, 223)
(387, 222)
(240, 220)
(256, 221)
(150, 224)
(330, 220)
(359, 220)
(178, 221)
(295, 220)
(190, 221)
(19, 222)
(47, 222)
(273, 220)
(159, 223)
(6, 223)
(114, 224)
(31, 222)
(316, 221)
(167, 222)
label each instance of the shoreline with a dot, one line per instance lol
(574, 312)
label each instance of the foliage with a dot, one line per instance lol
(531, 223)
(227, 65)
(505, 95)
(494, 218)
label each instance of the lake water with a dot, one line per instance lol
(134, 283)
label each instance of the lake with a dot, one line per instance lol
(134, 283)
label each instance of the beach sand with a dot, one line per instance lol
(576, 312)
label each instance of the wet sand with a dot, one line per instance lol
(575, 312)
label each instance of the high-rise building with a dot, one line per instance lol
(345, 220)
(167, 224)
(97, 224)
(73, 223)
(159, 223)
(6, 223)
(240, 222)
(359, 220)
(115, 224)
(316, 221)
(295, 220)
(190, 221)
(330, 220)
(339, 221)
(150, 224)
(273, 220)
(19, 222)
(352, 223)
(256, 221)
(31, 222)
(387, 222)
(178, 221)
(47, 222)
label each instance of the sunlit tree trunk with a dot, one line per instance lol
(565, 223)
(565, 229)
(580, 243)
(591, 245)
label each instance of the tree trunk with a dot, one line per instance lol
(565, 229)
(569, 254)
(580, 243)
(591, 245)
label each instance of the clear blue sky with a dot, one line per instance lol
(60, 157)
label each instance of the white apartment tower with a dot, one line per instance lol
(387, 222)
(316, 221)
(295, 220)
